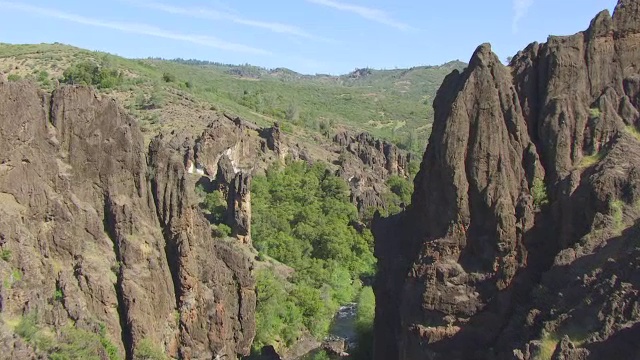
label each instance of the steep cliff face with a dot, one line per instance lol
(481, 266)
(93, 235)
(369, 163)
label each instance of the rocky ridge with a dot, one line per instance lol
(521, 240)
(107, 235)
(95, 234)
(369, 163)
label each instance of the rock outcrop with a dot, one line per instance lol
(366, 163)
(95, 234)
(523, 225)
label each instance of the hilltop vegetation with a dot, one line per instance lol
(179, 94)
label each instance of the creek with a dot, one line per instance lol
(343, 327)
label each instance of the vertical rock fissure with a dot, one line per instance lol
(109, 224)
(240, 305)
(170, 246)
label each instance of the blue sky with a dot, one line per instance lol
(309, 36)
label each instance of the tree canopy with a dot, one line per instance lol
(303, 218)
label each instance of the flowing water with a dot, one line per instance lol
(342, 327)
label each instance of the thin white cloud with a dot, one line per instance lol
(212, 14)
(372, 14)
(520, 9)
(134, 28)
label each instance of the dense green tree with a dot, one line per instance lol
(90, 73)
(400, 187)
(302, 217)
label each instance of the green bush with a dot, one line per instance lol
(147, 350)
(77, 344)
(414, 167)
(322, 355)
(112, 351)
(5, 254)
(286, 127)
(43, 78)
(43, 75)
(539, 193)
(90, 73)
(14, 77)
(222, 231)
(400, 187)
(216, 205)
(364, 325)
(154, 100)
(595, 113)
(168, 77)
(633, 131)
(27, 327)
(58, 295)
(71, 343)
(616, 208)
(278, 318)
(83, 73)
(590, 160)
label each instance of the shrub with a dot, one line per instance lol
(414, 167)
(364, 324)
(155, 100)
(633, 131)
(43, 75)
(548, 345)
(5, 254)
(400, 187)
(71, 343)
(14, 77)
(616, 208)
(58, 295)
(168, 77)
(112, 351)
(222, 231)
(216, 205)
(90, 73)
(539, 193)
(14, 277)
(595, 113)
(147, 350)
(27, 327)
(590, 160)
(77, 344)
(286, 128)
(83, 73)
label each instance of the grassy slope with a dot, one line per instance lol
(392, 104)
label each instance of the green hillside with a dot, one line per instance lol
(178, 94)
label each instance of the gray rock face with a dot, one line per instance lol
(479, 267)
(84, 215)
(369, 163)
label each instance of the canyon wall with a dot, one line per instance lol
(521, 239)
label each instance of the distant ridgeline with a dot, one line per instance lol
(180, 94)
